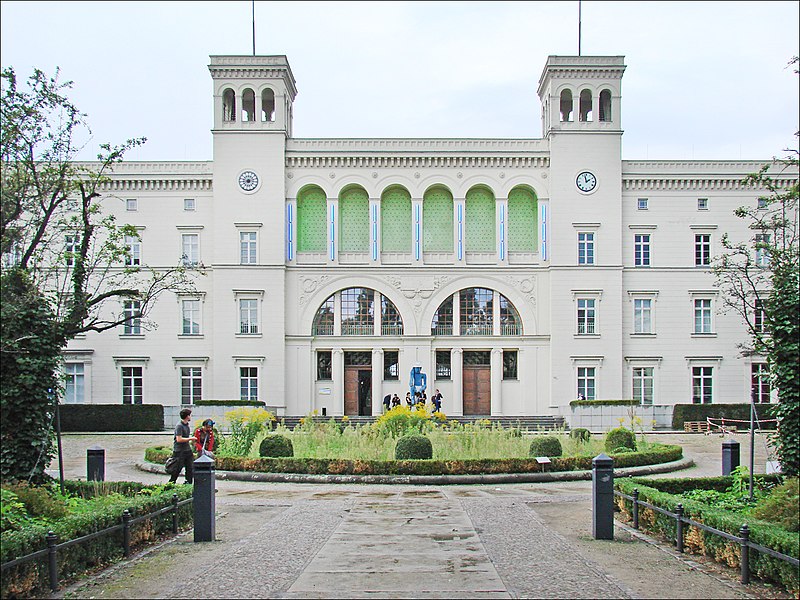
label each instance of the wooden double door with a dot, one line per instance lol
(357, 391)
(477, 383)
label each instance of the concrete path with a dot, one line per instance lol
(282, 540)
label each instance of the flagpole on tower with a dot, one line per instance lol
(253, 2)
(579, 27)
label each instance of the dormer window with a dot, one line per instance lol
(605, 106)
(249, 105)
(586, 107)
(268, 105)
(566, 106)
(228, 105)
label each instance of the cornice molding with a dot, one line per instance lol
(416, 162)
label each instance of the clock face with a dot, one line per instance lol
(586, 181)
(248, 181)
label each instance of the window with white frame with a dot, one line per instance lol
(586, 383)
(510, 363)
(702, 315)
(762, 241)
(391, 365)
(585, 248)
(190, 249)
(74, 385)
(761, 389)
(13, 256)
(443, 370)
(134, 247)
(702, 249)
(248, 383)
(702, 385)
(702, 204)
(191, 384)
(759, 317)
(642, 315)
(643, 385)
(132, 315)
(132, 385)
(324, 365)
(586, 316)
(641, 204)
(641, 249)
(70, 249)
(131, 204)
(248, 315)
(247, 248)
(189, 204)
(190, 317)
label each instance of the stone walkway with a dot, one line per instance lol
(282, 540)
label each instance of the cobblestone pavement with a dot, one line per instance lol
(282, 540)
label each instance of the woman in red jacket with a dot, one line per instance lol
(204, 439)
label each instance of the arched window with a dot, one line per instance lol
(586, 106)
(510, 323)
(396, 220)
(267, 105)
(566, 105)
(358, 311)
(249, 105)
(522, 220)
(391, 322)
(605, 105)
(437, 219)
(312, 208)
(476, 314)
(323, 320)
(442, 322)
(480, 220)
(358, 314)
(354, 220)
(228, 105)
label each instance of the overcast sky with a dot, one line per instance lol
(705, 80)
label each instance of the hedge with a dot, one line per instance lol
(111, 417)
(699, 412)
(230, 403)
(604, 403)
(697, 541)
(340, 466)
(31, 579)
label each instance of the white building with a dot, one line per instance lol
(519, 273)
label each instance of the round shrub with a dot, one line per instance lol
(413, 447)
(546, 445)
(580, 434)
(275, 446)
(620, 438)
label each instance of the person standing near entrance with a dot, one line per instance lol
(437, 401)
(387, 399)
(182, 449)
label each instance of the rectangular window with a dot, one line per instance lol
(761, 388)
(247, 247)
(189, 204)
(641, 250)
(74, 385)
(585, 248)
(248, 383)
(132, 313)
(586, 383)
(134, 246)
(248, 316)
(760, 317)
(642, 315)
(324, 366)
(131, 205)
(762, 249)
(702, 204)
(641, 204)
(13, 257)
(510, 364)
(191, 384)
(701, 385)
(702, 250)
(190, 249)
(702, 316)
(70, 249)
(643, 385)
(132, 385)
(190, 317)
(391, 365)
(586, 316)
(762, 204)
(443, 364)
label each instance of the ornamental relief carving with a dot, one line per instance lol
(417, 289)
(525, 285)
(309, 285)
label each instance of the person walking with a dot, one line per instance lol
(181, 448)
(437, 401)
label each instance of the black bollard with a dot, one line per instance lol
(95, 464)
(730, 456)
(205, 528)
(603, 497)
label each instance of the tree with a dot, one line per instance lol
(63, 254)
(759, 279)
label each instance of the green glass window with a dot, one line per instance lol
(480, 221)
(437, 220)
(396, 221)
(354, 221)
(522, 227)
(312, 208)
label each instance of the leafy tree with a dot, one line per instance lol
(63, 254)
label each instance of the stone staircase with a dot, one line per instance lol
(530, 423)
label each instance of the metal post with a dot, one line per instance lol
(636, 509)
(730, 456)
(679, 527)
(744, 533)
(52, 560)
(174, 513)
(95, 464)
(204, 500)
(752, 440)
(126, 532)
(603, 497)
(58, 441)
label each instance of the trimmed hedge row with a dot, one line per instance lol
(31, 579)
(699, 412)
(111, 417)
(339, 466)
(604, 403)
(697, 541)
(229, 403)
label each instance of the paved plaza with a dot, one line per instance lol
(296, 540)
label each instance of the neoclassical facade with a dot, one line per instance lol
(518, 274)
